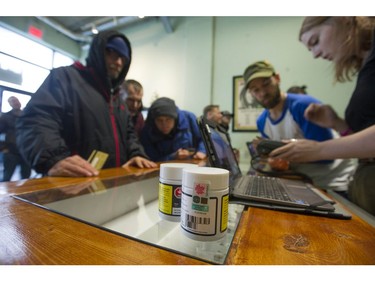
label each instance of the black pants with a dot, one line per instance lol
(11, 161)
(362, 188)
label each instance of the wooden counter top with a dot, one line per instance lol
(32, 235)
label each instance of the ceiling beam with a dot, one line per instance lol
(167, 24)
(86, 36)
(65, 31)
(114, 23)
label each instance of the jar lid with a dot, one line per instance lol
(173, 171)
(217, 178)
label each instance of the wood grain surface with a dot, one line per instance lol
(36, 236)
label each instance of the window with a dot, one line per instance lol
(5, 107)
(61, 60)
(24, 64)
(19, 74)
(25, 49)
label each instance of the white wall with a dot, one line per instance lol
(196, 63)
(175, 65)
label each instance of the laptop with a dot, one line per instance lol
(257, 189)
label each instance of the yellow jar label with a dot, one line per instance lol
(170, 199)
(224, 212)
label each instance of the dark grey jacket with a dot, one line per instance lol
(78, 109)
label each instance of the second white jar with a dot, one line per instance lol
(204, 203)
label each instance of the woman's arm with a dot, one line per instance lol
(358, 145)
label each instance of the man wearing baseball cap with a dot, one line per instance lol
(283, 119)
(264, 72)
(225, 119)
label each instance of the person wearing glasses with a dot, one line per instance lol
(283, 119)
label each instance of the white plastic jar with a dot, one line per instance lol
(204, 203)
(170, 181)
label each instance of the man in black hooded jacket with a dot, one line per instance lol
(77, 110)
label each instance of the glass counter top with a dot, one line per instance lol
(128, 206)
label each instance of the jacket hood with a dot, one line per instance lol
(154, 135)
(96, 61)
(162, 107)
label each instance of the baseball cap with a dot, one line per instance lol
(226, 113)
(118, 44)
(257, 70)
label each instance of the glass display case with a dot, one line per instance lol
(128, 206)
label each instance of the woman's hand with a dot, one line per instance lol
(301, 150)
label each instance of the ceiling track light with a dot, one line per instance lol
(94, 30)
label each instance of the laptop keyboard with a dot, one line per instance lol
(265, 187)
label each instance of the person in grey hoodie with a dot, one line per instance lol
(171, 133)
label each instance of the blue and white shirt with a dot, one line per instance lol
(291, 124)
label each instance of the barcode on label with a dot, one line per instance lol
(193, 221)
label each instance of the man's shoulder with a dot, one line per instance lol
(298, 102)
(186, 114)
(263, 114)
(304, 99)
(68, 69)
(7, 115)
(69, 72)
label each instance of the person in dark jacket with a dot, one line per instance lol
(225, 120)
(12, 157)
(77, 110)
(170, 133)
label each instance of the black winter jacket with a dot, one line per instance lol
(77, 110)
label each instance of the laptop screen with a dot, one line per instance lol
(225, 157)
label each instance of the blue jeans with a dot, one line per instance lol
(11, 161)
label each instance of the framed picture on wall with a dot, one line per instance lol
(245, 108)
